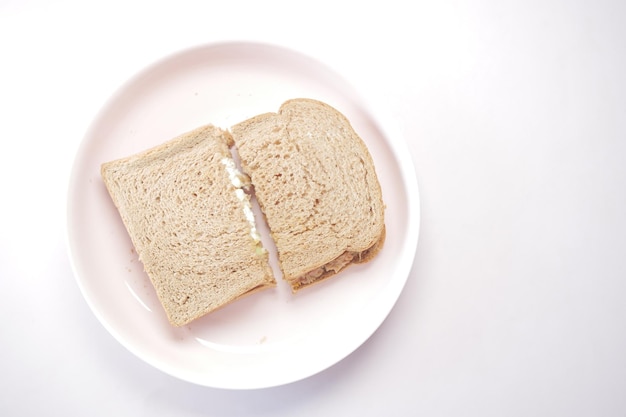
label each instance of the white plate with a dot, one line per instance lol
(273, 337)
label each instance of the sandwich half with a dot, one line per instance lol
(315, 182)
(186, 209)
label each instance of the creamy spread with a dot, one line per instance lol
(247, 210)
(241, 181)
(238, 179)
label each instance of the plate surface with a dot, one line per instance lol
(273, 337)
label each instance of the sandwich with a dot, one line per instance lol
(188, 214)
(187, 206)
(316, 184)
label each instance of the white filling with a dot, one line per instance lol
(236, 177)
(240, 181)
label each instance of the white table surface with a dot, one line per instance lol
(515, 117)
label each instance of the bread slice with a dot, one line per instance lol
(185, 209)
(316, 184)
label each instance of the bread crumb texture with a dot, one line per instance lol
(185, 219)
(316, 183)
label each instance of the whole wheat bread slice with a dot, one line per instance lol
(188, 217)
(316, 184)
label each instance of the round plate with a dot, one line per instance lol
(273, 337)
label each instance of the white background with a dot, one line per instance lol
(514, 113)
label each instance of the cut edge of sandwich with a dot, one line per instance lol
(197, 264)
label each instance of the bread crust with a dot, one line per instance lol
(182, 211)
(316, 183)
